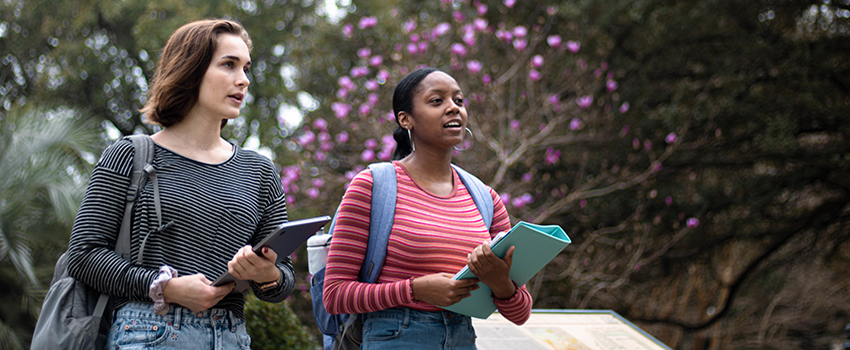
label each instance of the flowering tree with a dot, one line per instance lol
(552, 134)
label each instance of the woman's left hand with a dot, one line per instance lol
(246, 265)
(492, 270)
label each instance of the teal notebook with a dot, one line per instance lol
(536, 245)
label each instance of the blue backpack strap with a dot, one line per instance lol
(384, 191)
(480, 194)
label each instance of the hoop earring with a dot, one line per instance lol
(412, 146)
(466, 143)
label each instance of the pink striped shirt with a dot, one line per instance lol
(430, 234)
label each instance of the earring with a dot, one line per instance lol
(467, 144)
(412, 146)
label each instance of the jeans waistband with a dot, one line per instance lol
(177, 315)
(421, 316)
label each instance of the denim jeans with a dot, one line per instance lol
(135, 326)
(409, 329)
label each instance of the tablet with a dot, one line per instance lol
(284, 240)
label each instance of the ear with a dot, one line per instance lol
(405, 120)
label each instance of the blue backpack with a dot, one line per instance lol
(381, 222)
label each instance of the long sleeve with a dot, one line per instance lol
(342, 292)
(517, 308)
(274, 214)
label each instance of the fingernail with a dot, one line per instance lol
(265, 250)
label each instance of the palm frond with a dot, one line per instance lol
(8, 338)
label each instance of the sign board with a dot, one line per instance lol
(564, 330)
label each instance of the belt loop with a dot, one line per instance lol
(406, 321)
(178, 314)
(232, 317)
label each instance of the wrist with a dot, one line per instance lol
(157, 288)
(269, 277)
(504, 290)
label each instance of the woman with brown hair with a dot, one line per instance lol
(216, 198)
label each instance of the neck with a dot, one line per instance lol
(430, 165)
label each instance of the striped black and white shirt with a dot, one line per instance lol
(216, 209)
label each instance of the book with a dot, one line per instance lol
(287, 237)
(536, 245)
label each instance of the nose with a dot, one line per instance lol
(242, 80)
(453, 108)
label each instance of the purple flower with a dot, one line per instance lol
(584, 101)
(624, 107)
(459, 49)
(365, 109)
(320, 124)
(647, 145)
(469, 38)
(480, 24)
(324, 137)
(474, 66)
(552, 155)
(635, 143)
(537, 61)
(341, 109)
(573, 46)
(624, 131)
(376, 60)
(342, 93)
(554, 41)
(518, 203)
(357, 72)
(486, 79)
(347, 30)
(313, 193)
(409, 26)
(582, 203)
(668, 200)
(367, 22)
(372, 99)
(510, 3)
(390, 116)
(371, 85)
(423, 46)
(371, 143)
(382, 76)
(320, 156)
(554, 99)
(611, 85)
(306, 138)
(527, 177)
(504, 35)
(671, 137)
(514, 124)
(575, 124)
(692, 222)
(388, 141)
(482, 9)
(325, 146)
(368, 155)
(346, 82)
(520, 44)
(458, 16)
(364, 52)
(534, 75)
(414, 38)
(342, 137)
(520, 32)
(412, 48)
(442, 28)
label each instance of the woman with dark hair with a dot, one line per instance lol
(218, 199)
(437, 230)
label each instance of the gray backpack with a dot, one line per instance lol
(74, 315)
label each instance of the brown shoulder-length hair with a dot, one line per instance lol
(184, 61)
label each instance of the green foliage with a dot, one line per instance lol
(274, 326)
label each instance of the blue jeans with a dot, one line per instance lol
(135, 326)
(410, 329)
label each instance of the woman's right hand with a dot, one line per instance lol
(441, 290)
(194, 292)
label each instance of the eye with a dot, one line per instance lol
(436, 101)
(228, 64)
(246, 69)
(459, 102)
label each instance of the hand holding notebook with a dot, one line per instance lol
(536, 245)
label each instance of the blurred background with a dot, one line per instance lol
(695, 151)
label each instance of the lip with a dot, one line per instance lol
(237, 97)
(458, 121)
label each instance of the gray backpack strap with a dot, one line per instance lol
(144, 148)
